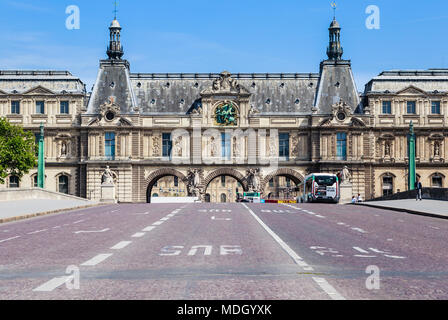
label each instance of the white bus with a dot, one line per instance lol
(319, 187)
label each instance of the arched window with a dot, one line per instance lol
(35, 181)
(437, 180)
(207, 198)
(155, 195)
(223, 198)
(388, 185)
(63, 184)
(14, 182)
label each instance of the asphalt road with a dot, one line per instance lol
(225, 251)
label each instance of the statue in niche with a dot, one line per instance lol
(437, 149)
(155, 146)
(387, 149)
(345, 175)
(193, 183)
(178, 147)
(253, 179)
(213, 147)
(236, 148)
(64, 149)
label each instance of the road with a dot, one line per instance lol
(225, 251)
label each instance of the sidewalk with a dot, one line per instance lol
(24, 209)
(431, 208)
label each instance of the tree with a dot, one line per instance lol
(17, 150)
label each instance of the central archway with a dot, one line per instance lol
(154, 177)
(290, 175)
(236, 183)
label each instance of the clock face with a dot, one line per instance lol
(226, 114)
(341, 116)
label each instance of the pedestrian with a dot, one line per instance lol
(359, 199)
(353, 200)
(418, 187)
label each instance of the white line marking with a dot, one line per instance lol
(78, 221)
(150, 228)
(362, 256)
(328, 288)
(376, 250)
(121, 245)
(38, 231)
(360, 250)
(138, 235)
(53, 284)
(165, 219)
(9, 239)
(57, 227)
(359, 230)
(394, 257)
(298, 260)
(435, 228)
(97, 231)
(158, 223)
(96, 260)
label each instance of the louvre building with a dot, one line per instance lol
(155, 130)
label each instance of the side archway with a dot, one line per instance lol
(157, 175)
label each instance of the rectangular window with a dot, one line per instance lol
(176, 181)
(283, 151)
(411, 107)
(435, 107)
(14, 182)
(15, 107)
(341, 146)
(40, 107)
(223, 181)
(110, 146)
(167, 145)
(387, 107)
(225, 146)
(64, 107)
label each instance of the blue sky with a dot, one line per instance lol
(211, 36)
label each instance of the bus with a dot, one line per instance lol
(252, 197)
(319, 187)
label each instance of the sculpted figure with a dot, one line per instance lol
(345, 174)
(108, 176)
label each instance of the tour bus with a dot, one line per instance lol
(319, 187)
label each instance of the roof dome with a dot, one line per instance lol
(334, 24)
(115, 24)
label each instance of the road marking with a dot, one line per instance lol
(138, 235)
(150, 228)
(359, 230)
(53, 284)
(96, 260)
(394, 257)
(9, 239)
(78, 221)
(435, 228)
(298, 260)
(143, 213)
(121, 245)
(93, 231)
(328, 288)
(360, 250)
(158, 223)
(221, 219)
(113, 211)
(165, 219)
(38, 231)
(57, 227)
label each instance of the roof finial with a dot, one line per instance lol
(334, 6)
(115, 10)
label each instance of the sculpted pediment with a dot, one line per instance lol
(225, 85)
(39, 90)
(411, 90)
(2, 92)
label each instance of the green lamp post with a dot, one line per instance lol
(412, 174)
(41, 160)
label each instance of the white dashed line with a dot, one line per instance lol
(96, 260)
(360, 250)
(38, 231)
(158, 223)
(138, 235)
(150, 228)
(53, 284)
(57, 227)
(165, 219)
(9, 239)
(79, 221)
(121, 245)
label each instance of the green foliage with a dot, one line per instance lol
(17, 150)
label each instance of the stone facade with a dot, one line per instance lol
(251, 128)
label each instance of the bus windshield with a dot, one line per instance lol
(325, 180)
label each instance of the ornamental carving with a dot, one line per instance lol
(109, 109)
(225, 82)
(226, 114)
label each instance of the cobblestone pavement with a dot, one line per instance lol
(225, 251)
